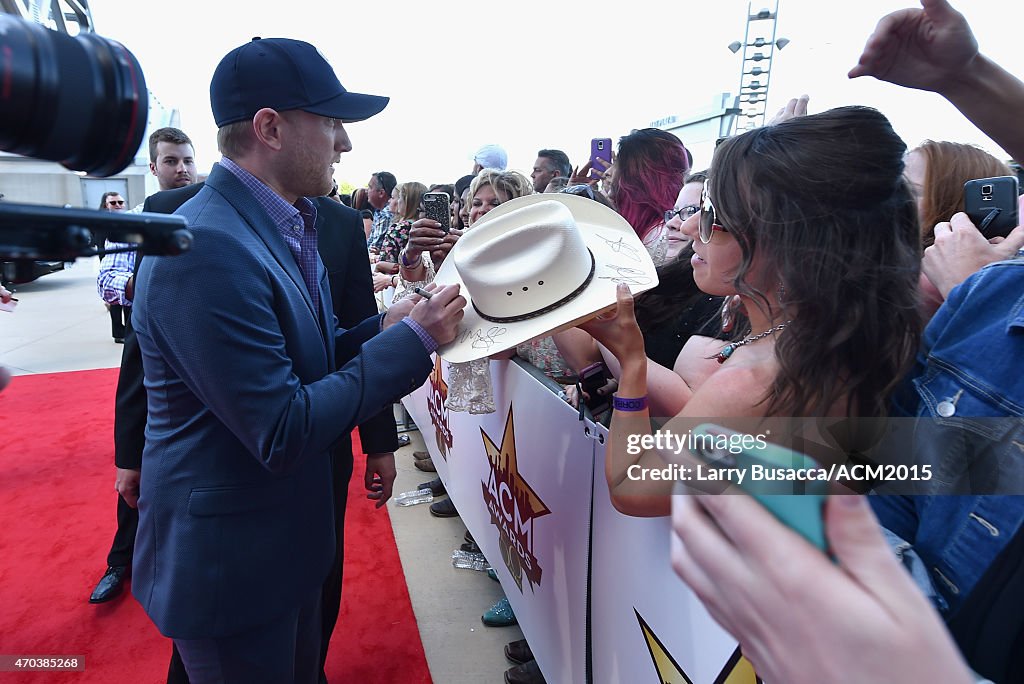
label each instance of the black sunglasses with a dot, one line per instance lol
(708, 220)
(683, 212)
(119, 203)
(380, 182)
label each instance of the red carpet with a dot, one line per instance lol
(56, 523)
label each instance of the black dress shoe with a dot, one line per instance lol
(110, 585)
(443, 509)
(518, 652)
(435, 486)
(527, 673)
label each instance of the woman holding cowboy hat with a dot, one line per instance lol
(810, 222)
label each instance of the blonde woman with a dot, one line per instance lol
(406, 204)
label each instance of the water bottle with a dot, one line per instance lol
(414, 497)
(469, 561)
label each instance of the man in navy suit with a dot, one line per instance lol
(250, 382)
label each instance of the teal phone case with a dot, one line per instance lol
(798, 505)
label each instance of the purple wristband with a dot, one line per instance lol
(620, 404)
(401, 257)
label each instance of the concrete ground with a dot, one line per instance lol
(60, 324)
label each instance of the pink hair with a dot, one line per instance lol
(649, 172)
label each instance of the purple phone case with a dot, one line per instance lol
(600, 148)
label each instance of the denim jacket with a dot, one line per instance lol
(970, 371)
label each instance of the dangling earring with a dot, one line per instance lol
(781, 295)
(732, 309)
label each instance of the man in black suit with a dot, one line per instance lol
(342, 247)
(130, 422)
(172, 161)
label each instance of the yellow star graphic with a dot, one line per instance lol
(669, 671)
(737, 671)
(504, 460)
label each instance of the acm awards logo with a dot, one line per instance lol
(438, 413)
(513, 506)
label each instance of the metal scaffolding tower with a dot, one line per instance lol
(59, 15)
(755, 71)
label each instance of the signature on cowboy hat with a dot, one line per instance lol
(537, 264)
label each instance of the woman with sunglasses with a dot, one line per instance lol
(687, 208)
(677, 309)
(811, 223)
(671, 313)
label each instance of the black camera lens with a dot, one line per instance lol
(986, 189)
(81, 101)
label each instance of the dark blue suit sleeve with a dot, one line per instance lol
(342, 246)
(226, 343)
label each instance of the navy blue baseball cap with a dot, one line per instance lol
(283, 74)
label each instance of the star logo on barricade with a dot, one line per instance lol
(513, 506)
(668, 669)
(438, 413)
(737, 671)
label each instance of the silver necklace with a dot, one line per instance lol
(728, 349)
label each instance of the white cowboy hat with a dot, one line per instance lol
(538, 264)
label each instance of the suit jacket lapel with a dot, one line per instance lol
(327, 326)
(241, 199)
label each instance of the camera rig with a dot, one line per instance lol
(30, 232)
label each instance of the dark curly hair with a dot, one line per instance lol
(822, 201)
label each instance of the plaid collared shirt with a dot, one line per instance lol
(115, 270)
(382, 220)
(296, 223)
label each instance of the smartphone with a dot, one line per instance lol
(798, 504)
(600, 148)
(438, 207)
(991, 203)
(592, 378)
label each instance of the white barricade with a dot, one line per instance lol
(646, 625)
(528, 481)
(522, 484)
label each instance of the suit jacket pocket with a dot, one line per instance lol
(211, 501)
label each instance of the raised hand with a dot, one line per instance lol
(801, 618)
(424, 236)
(794, 108)
(927, 49)
(960, 249)
(618, 330)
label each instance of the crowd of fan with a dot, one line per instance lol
(841, 275)
(816, 268)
